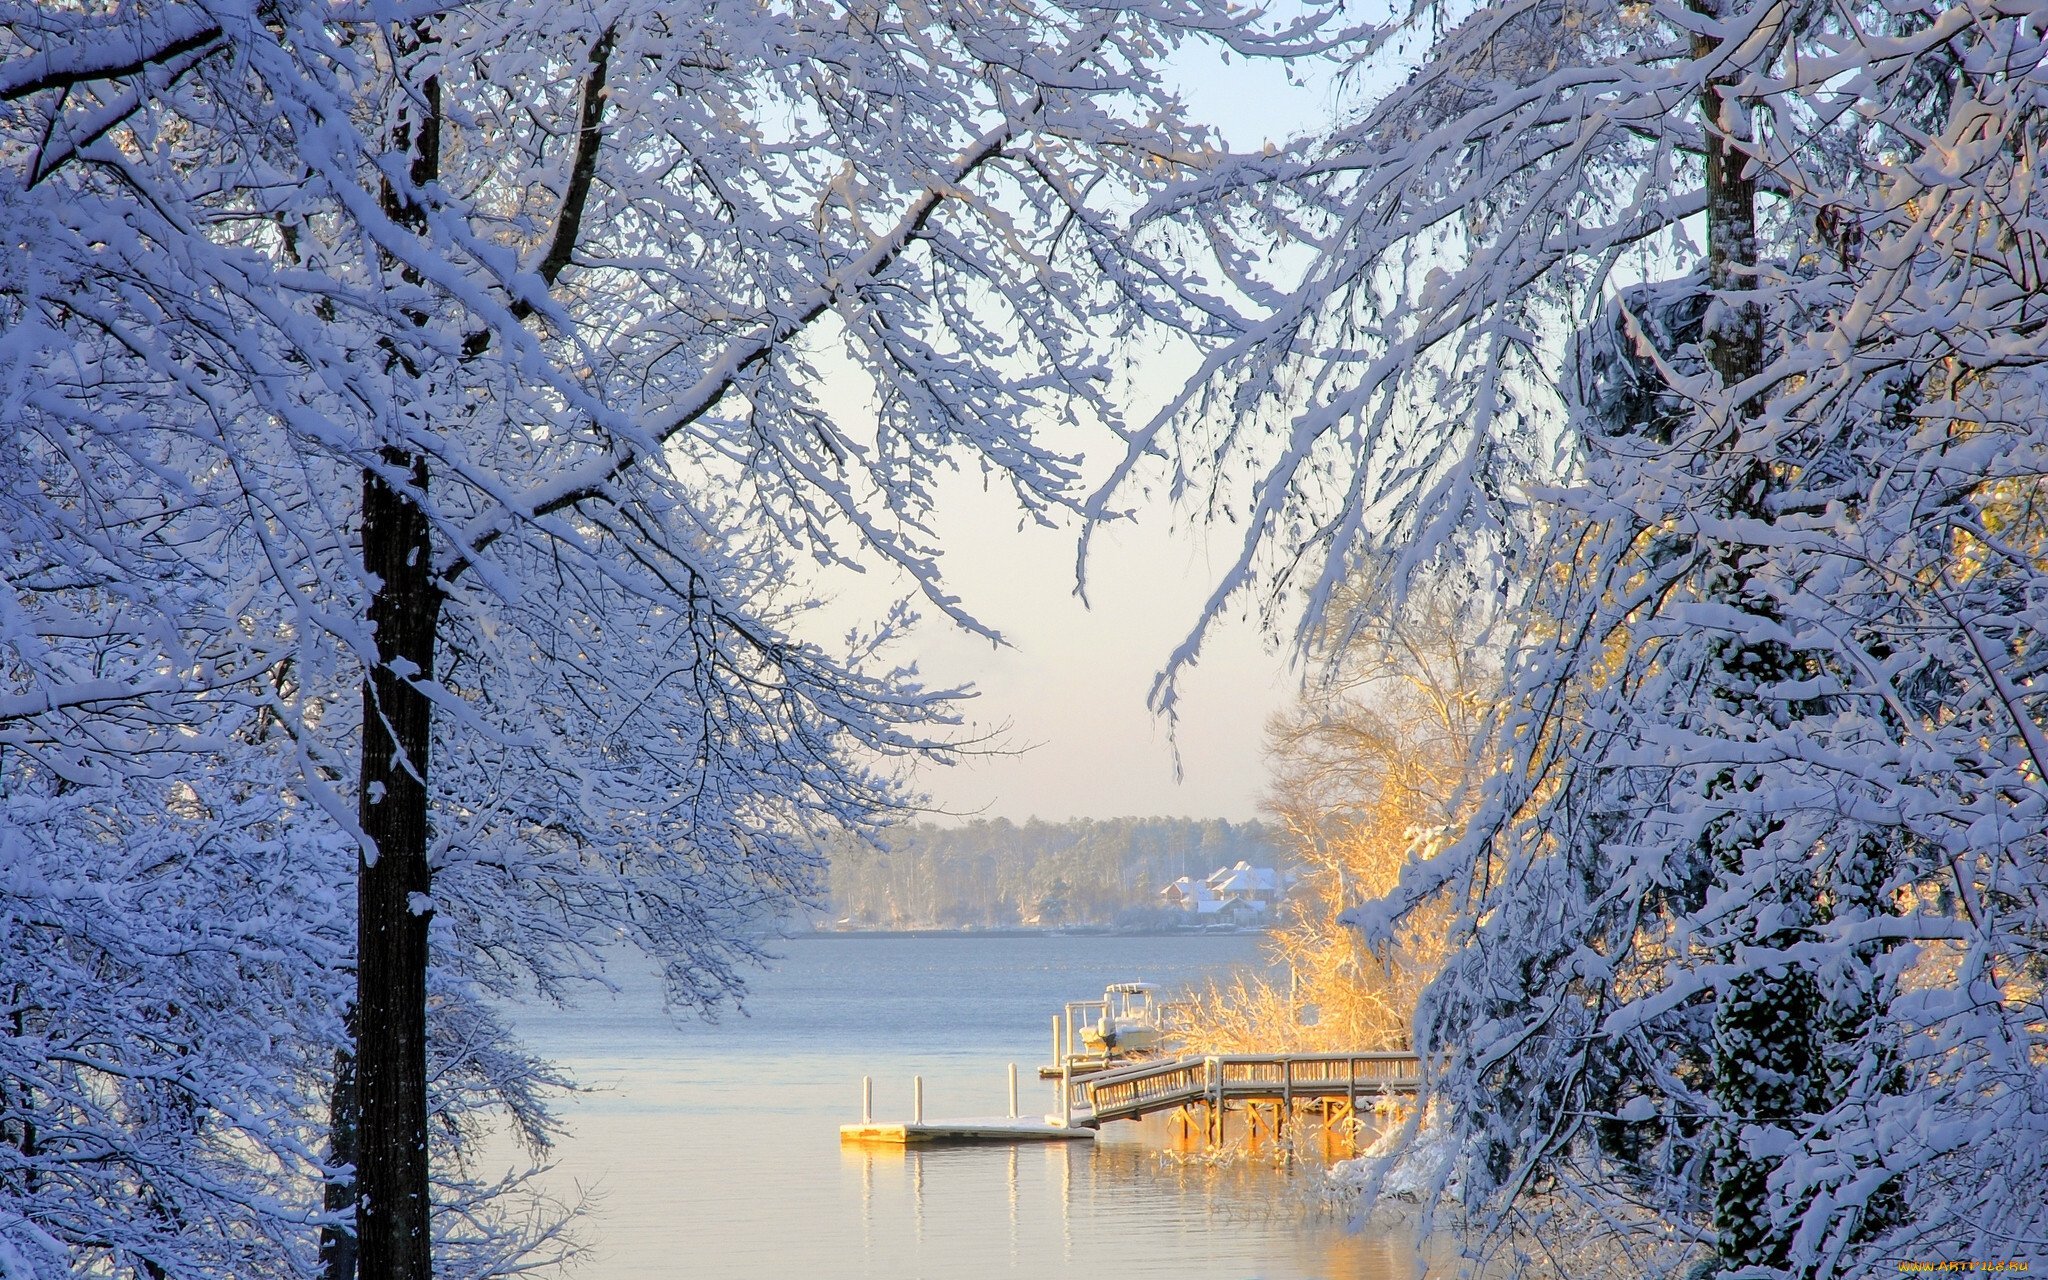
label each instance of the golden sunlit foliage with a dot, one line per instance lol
(1366, 771)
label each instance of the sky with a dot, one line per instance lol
(1066, 698)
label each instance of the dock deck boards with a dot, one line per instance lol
(993, 1129)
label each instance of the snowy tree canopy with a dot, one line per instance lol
(602, 333)
(1715, 326)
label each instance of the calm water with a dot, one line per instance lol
(713, 1150)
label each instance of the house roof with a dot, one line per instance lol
(1240, 880)
(1186, 887)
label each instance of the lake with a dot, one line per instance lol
(712, 1150)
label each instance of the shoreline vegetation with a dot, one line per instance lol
(1368, 771)
(992, 874)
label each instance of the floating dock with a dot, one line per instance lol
(993, 1129)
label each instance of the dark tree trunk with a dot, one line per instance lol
(338, 1239)
(1733, 329)
(394, 1237)
(1784, 1050)
(20, 1098)
(393, 885)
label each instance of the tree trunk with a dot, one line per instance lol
(19, 1097)
(1764, 1052)
(1733, 330)
(392, 889)
(394, 1236)
(338, 1239)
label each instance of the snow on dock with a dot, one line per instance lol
(992, 1129)
(1010, 1128)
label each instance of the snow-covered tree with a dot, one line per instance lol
(1753, 959)
(176, 954)
(442, 394)
(171, 980)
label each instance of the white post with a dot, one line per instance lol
(867, 1099)
(1013, 1091)
(917, 1100)
(1066, 1093)
(1055, 1040)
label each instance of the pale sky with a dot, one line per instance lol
(1074, 680)
(1072, 687)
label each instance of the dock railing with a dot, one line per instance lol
(1129, 1093)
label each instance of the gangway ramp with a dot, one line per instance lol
(1133, 1092)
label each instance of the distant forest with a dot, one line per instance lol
(996, 872)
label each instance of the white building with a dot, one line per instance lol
(1243, 890)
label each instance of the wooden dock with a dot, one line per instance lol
(1130, 1093)
(917, 1130)
(1268, 1092)
(993, 1129)
(1267, 1089)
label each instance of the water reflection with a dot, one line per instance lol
(1071, 1207)
(1013, 1153)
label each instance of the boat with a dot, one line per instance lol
(1129, 1025)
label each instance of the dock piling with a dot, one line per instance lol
(1013, 1091)
(867, 1099)
(917, 1100)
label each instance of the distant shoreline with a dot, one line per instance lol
(836, 934)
